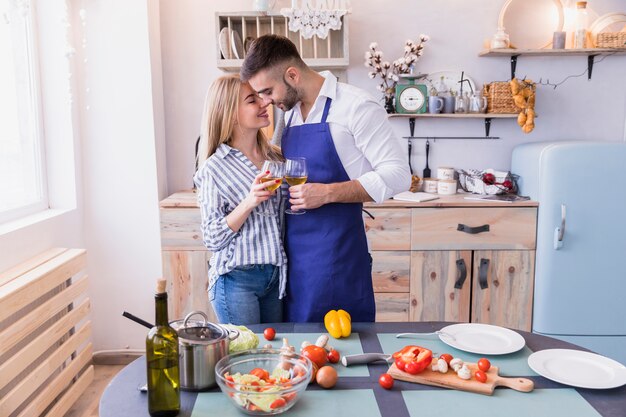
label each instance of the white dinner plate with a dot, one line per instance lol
(483, 339)
(578, 369)
(237, 45)
(224, 42)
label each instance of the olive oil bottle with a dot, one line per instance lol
(162, 361)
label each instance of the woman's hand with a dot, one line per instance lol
(258, 191)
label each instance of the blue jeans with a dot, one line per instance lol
(248, 295)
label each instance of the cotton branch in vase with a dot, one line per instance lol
(388, 72)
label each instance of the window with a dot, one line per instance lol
(22, 171)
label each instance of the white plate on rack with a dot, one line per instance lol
(451, 80)
(224, 41)
(578, 369)
(483, 339)
(237, 45)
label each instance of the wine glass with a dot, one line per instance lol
(295, 174)
(275, 176)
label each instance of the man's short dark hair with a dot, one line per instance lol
(267, 52)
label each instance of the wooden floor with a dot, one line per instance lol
(87, 405)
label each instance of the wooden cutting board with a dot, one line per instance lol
(451, 380)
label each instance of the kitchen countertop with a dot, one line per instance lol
(187, 199)
(122, 398)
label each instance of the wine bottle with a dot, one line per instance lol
(162, 361)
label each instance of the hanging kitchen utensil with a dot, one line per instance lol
(427, 169)
(410, 167)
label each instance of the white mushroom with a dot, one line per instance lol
(441, 366)
(305, 344)
(456, 364)
(321, 341)
(464, 373)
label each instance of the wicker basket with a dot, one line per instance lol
(500, 98)
(611, 40)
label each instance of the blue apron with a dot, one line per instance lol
(329, 264)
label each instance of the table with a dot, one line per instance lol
(123, 399)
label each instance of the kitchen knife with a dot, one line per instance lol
(363, 358)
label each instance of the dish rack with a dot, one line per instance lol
(241, 28)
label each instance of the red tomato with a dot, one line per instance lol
(269, 333)
(480, 376)
(484, 364)
(413, 368)
(446, 357)
(316, 354)
(333, 356)
(385, 381)
(400, 364)
(279, 402)
(260, 373)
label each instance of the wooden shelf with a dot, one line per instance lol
(590, 53)
(319, 54)
(553, 52)
(482, 116)
(455, 115)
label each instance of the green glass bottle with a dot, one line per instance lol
(162, 361)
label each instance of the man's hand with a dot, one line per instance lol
(308, 196)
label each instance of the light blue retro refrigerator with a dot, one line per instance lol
(580, 272)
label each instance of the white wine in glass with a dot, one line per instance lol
(275, 178)
(295, 174)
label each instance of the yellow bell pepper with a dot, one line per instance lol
(338, 323)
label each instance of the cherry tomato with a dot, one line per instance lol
(446, 357)
(333, 356)
(480, 376)
(385, 381)
(413, 368)
(484, 364)
(269, 333)
(279, 402)
(400, 364)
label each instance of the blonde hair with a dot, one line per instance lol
(219, 117)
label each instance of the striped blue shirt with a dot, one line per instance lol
(223, 181)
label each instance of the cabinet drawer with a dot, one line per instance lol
(389, 230)
(392, 307)
(390, 271)
(509, 228)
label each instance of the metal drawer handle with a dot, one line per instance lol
(482, 273)
(472, 230)
(460, 266)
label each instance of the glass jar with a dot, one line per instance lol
(580, 30)
(461, 103)
(500, 39)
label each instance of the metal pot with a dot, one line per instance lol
(200, 345)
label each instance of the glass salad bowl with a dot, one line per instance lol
(263, 382)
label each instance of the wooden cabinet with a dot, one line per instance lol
(424, 268)
(185, 258)
(466, 262)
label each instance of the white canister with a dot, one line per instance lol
(446, 187)
(430, 185)
(445, 173)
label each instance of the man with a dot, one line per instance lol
(352, 156)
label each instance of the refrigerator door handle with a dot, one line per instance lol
(559, 232)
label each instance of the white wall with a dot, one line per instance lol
(576, 110)
(119, 139)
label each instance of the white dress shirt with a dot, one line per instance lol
(364, 139)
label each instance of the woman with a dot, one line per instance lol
(241, 220)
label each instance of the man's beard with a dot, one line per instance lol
(291, 97)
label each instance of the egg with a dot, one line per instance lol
(326, 377)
